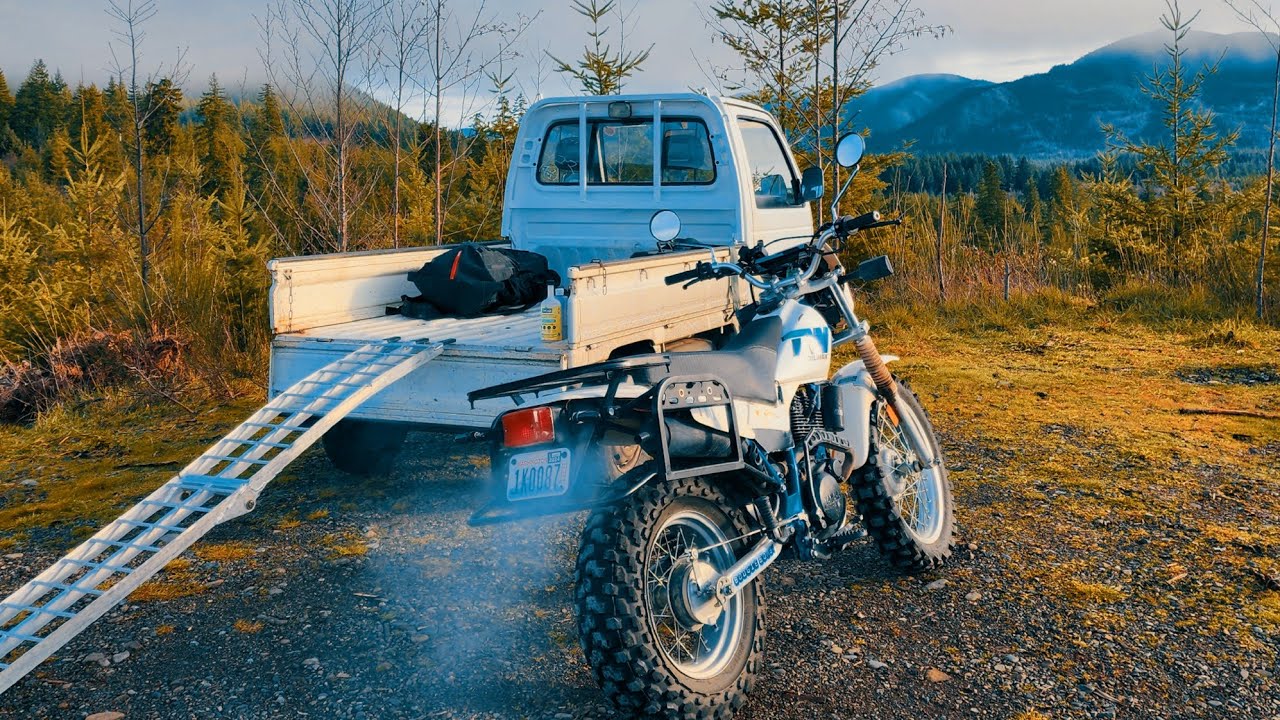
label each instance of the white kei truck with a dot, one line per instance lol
(592, 180)
(722, 165)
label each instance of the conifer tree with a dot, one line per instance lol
(991, 206)
(119, 111)
(57, 160)
(1034, 206)
(602, 70)
(266, 132)
(218, 141)
(1179, 168)
(6, 109)
(163, 107)
(39, 106)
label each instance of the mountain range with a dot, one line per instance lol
(1058, 114)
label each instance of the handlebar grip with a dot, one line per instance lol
(685, 276)
(846, 224)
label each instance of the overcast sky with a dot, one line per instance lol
(990, 39)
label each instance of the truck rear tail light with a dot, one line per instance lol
(528, 427)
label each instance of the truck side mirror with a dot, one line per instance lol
(810, 185)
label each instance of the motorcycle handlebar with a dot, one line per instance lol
(847, 224)
(685, 276)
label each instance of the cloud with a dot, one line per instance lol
(990, 39)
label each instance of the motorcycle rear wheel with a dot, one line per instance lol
(647, 661)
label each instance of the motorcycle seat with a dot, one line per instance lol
(747, 363)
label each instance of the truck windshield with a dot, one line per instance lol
(620, 152)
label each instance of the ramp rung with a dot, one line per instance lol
(41, 610)
(273, 426)
(175, 505)
(123, 544)
(234, 459)
(98, 566)
(215, 498)
(212, 483)
(305, 396)
(151, 526)
(67, 588)
(263, 443)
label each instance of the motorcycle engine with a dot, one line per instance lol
(825, 498)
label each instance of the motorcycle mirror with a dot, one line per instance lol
(850, 149)
(664, 226)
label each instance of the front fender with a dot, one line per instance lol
(857, 396)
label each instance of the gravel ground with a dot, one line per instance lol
(373, 599)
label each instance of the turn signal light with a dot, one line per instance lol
(528, 427)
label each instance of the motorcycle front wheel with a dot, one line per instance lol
(905, 501)
(652, 654)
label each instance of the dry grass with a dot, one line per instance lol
(225, 552)
(318, 515)
(1086, 592)
(175, 581)
(345, 545)
(95, 458)
(162, 630)
(1073, 460)
(167, 588)
(247, 627)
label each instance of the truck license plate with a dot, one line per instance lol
(540, 474)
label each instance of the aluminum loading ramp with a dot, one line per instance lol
(221, 484)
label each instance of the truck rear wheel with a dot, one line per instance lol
(364, 448)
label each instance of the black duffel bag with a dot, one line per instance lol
(472, 280)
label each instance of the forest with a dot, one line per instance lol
(136, 219)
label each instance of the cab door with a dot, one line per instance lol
(770, 181)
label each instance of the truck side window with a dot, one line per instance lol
(620, 152)
(559, 163)
(771, 174)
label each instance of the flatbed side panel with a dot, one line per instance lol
(619, 303)
(435, 394)
(322, 290)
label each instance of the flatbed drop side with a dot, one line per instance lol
(324, 306)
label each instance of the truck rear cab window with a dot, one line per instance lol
(620, 152)
(772, 178)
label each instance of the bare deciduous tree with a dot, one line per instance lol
(465, 48)
(406, 34)
(1264, 20)
(131, 17)
(806, 59)
(320, 54)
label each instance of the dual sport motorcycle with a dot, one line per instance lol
(703, 468)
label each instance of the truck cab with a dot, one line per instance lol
(588, 176)
(589, 173)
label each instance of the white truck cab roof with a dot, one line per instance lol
(719, 163)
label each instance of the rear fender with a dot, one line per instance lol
(857, 396)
